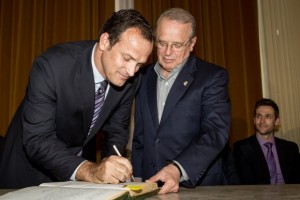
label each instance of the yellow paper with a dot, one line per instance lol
(134, 187)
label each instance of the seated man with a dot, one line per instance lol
(264, 158)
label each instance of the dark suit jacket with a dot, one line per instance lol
(52, 123)
(194, 125)
(253, 168)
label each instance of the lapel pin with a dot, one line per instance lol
(185, 83)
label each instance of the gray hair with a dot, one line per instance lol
(180, 15)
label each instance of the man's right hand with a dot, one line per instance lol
(113, 169)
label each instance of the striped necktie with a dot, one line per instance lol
(99, 100)
(271, 163)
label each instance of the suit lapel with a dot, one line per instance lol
(86, 88)
(262, 168)
(282, 152)
(152, 97)
(258, 151)
(180, 86)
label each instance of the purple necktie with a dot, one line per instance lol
(271, 163)
(99, 100)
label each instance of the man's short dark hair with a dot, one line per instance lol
(122, 20)
(267, 102)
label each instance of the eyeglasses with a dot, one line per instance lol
(162, 45)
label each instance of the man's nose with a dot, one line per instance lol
(168, 50)
(130, 70)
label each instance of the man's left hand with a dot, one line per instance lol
(170, 176)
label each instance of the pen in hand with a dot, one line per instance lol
(118, 153)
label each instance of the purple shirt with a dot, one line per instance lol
(280, 179)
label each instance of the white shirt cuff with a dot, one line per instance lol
(73, 177)
(184, 176)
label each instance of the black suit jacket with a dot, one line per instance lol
(194, 126)
(52, 123)
(253, 168)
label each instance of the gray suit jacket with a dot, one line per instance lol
(52, 123)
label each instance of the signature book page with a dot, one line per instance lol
(84, 190)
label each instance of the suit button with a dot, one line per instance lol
(157, 141)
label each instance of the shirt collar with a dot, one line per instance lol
(176, 69)
(97, 76)
(262, 141)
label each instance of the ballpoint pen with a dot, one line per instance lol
(118, 153)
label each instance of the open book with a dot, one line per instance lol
(73, 190)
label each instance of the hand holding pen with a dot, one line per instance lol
(119, 154)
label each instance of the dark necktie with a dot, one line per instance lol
(271, 163)
(99, 100)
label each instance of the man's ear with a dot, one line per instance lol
(104, 41)
(193, 42)
(277, 123)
